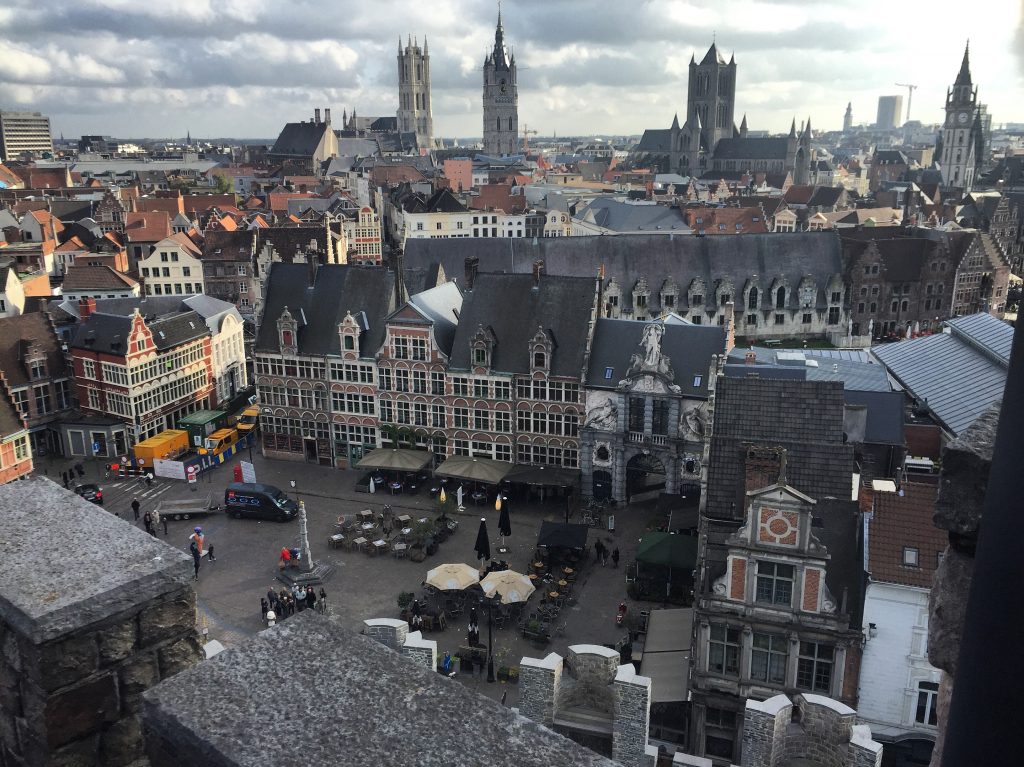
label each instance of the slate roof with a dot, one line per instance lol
(885, 415)
(655, 140)
(689, 347)
(905, 520)
(219, 245)
(628, 258)
(14, 333)
(513, 309)
(622, 216)
(318, 308)
(109, 332)
(902, 257)
(287, 240)
(805, 417)
(442, 305)
(299, 139)
(752, 149)
(959, 373)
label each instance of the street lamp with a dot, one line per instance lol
(294, 486)
(490, 639)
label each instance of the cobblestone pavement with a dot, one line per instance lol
(361, 587)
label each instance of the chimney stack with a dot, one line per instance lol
(538, 270)
(327, 115)
(316, 115)
(472, 266)
(750, 358)
(398, 261)
(86, 306)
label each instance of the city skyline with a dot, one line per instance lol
(243, 69)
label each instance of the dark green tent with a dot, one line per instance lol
(668, 549)
(677, 553)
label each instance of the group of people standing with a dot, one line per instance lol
(151, 519)
(601, 553)
(280, 604)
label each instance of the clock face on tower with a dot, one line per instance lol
(963, 117)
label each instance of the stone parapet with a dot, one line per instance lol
(92, 613)
(539, 680)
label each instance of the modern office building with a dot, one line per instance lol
(24, 132)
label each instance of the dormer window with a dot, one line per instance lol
(480, 357)
(350, 342)
(539, 360)
(287, 338)
(774, 583)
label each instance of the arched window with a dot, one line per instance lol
(510, 123)
(539, 359)
(780, 298)
(350, 343)
(497, 124)
(752, 299)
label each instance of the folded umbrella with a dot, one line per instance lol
(483, 543)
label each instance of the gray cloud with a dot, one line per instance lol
(244, 67)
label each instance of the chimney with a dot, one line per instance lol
(327, 116)
(750, 358)
(398, 259)
(782, 466)
(472, 266)
(538, 270)
(730, 327)
(316, 114)
(86, 306)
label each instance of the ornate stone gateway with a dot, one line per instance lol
(644, 473)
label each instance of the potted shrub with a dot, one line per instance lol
(513, 674)
(405, 599)
(503, 673)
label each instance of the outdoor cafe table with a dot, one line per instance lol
(380, 545)
(404, 519)
(563, 585)
(568, 570)
(365, 514)
(367, 526)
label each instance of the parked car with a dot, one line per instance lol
(256, 501)
(91, 492)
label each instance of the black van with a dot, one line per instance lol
(243, 499)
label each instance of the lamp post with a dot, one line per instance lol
(294, 486)
(490, 643)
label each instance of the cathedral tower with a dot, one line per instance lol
(414, 92)
(501, 99)
(711, 96)
(961, 130)
(848, 118)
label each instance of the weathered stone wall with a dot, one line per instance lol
(826, 734)
(632, 718)
(965, 468)
(421, 651)
(539, 681)
(92, 613)
(388, 631)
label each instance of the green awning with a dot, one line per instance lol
(485, 470)
(669, 550)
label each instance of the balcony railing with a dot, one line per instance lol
(639, 437)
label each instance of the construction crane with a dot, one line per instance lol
(910, 95)
(526, 138)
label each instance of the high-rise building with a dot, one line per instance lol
(890, 112)
(414, 92)
(24, 132)
(501, 99)
(962, 133)
(848, 118)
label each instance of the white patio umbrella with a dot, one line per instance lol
(513, 587)
(452, 577)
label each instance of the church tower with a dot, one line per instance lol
(960, 131)
(711, 96)
(501, 99)
(414, 92)
(848, 118)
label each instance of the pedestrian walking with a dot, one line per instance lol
(417, 620)
(615, 556)
(164, 520)
(135, 508)
(264, 606)
(149, 480)
(64, 479)
(198, 539)
(79, 469)
(147, 521)
(271, 595)
(601, 551)
(597, 551)
(209, 553)
(197, 558)
(154, 516)
(322, 602)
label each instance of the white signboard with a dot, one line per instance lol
(248, 472)
(169, 469)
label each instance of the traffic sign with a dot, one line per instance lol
(142, 462)
(191, 469)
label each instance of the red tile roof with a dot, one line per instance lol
(79, 278)
(905, 521)
(147, 227)
(172, 206)
(278, 201)
(726, 220)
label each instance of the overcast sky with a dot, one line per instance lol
(242, 68)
